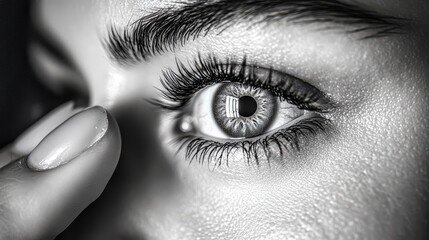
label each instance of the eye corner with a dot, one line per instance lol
(326, 105)
(321, 103)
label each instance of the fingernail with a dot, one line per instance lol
(28, 140)
(69, 140)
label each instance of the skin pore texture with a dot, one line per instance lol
(366, 178)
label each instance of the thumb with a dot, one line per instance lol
(40, 195)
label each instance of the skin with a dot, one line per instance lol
(38, 202)
(365, 179)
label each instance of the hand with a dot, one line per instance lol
(45, 184)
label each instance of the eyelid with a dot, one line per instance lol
(288, 84)
(258, 149)
(182, 84)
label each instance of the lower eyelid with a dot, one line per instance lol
(308, 115)
(257, 151)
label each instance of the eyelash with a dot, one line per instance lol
(285, 140)
(181, 86)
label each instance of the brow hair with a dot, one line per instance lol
(169, 27)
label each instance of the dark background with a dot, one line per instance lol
(23, 100)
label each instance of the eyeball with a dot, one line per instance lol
(237, 111)
(243, 111)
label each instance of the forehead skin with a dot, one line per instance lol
(355, 195)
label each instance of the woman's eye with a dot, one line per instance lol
(221, 107)
(239, 111)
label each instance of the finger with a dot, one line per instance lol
(7, 156)
(40, 196)
(29, 139)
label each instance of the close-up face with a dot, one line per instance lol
(249, 119)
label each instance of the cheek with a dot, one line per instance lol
(381, 152)
(356, 184)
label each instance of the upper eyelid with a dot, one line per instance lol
(179, 86)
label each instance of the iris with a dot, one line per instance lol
(243, 111)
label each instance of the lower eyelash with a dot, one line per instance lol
(284, 140)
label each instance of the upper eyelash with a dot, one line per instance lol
(198, 149)
(180, 86)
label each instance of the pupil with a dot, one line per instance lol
(247, 106)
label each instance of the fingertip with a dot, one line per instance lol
(29, 139)
(73, 137)
(50, 200)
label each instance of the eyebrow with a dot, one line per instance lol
(167, 28)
